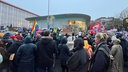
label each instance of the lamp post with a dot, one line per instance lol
(48, 7)
(48, 18)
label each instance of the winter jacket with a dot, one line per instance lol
(26, 52)
(63, 51)
(116, 51)
(46, 47)
(14, 47)
(78, 62)
(100, 61)
(124, 45)
(25, 56)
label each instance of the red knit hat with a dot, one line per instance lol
(18, 37)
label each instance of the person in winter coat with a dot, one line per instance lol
(54, 36)
(100, 61)
(46, 48)
(78, 62)
(7, 41)
(88, 47)
(25, 56)
(124, 45)
(63, 54)
(15, 45)
(4, 66)
(109, 42)
(116, 51)
(12, 51)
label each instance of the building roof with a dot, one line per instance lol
(74, 15)
(17, 7)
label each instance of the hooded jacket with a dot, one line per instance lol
(117, 52)
(78, 62)
(63, 51)
(26, 52)
(46, 47)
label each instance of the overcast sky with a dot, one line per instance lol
(94, 8)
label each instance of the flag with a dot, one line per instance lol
(95, 28)
(35, 27)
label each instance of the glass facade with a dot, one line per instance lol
(10, 14)
(80, 23)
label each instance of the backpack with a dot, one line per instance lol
(111, 58)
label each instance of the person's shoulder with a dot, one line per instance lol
(104, 46)
(32, 44)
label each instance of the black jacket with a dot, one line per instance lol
(45, 50)
(26, 52)
(14, 47)
(78, 62)
(63, 51)
(100, 61)
(124, 45)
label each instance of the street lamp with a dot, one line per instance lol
(48, 18)
(48, 7)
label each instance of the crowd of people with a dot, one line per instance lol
(76, 53)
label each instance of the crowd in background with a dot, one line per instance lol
(83, 52)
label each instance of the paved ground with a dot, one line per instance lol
(57, 66)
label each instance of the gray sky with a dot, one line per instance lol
(94, 8)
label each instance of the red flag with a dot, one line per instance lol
(95, 28)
